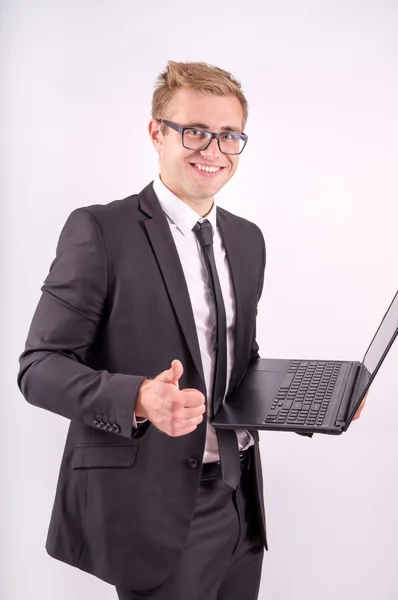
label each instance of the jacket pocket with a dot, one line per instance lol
(88, 457)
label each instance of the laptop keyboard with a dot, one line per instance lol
(306, 400)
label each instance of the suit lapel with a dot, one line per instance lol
(231, 237)
(164, 248)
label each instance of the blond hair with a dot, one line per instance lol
(198, 76)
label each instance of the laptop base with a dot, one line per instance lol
(307, 396)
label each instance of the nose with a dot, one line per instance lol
(212, 151)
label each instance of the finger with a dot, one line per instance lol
(177, 369)
(192, 398)
(192, 413)
(173, 374)
(183, 432)
(357, 414)
(188, 426)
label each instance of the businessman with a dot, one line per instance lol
(147, 320)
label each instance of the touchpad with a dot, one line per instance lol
(261, 389)
(253, 397)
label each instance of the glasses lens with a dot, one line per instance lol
(196, 139)
(231, 143)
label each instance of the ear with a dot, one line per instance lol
(155, 134)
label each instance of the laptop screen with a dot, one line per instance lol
(383, 338)
(375, 354)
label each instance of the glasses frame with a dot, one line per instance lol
(212, 135)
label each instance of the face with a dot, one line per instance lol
(179, 166)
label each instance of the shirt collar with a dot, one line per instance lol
(184, 217)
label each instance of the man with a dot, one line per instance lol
(143, 324)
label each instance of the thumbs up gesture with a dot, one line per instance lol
(173, 374)
(173, 411)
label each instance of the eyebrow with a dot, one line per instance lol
(203, 126)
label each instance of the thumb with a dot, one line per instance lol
(173, 374)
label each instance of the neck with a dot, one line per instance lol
(201, 206)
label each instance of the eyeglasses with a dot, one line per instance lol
(194, 138)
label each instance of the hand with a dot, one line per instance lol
(173, 411)
(358, 413)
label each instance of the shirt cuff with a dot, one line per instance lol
(137, 421)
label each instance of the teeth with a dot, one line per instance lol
(208, 169)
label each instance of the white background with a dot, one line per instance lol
(319, 176)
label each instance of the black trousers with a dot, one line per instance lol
(222, 559)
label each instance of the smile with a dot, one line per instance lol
(206, 170)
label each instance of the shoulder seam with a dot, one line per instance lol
(103, 247)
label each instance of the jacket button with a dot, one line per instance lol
(108, 427)
(95, 423)
(115, 428)
(192, 463)
(102, 425)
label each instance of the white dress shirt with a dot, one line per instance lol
(182, 218)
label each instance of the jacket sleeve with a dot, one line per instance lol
(53, 374)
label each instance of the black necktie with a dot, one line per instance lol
(227, 440)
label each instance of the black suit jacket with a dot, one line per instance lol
(115, 309)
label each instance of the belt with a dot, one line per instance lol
(213, 470)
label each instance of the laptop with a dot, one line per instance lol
(306, 396)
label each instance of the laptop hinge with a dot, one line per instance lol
(360, 386)
(347, 396)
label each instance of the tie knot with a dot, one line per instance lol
(204, 232)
